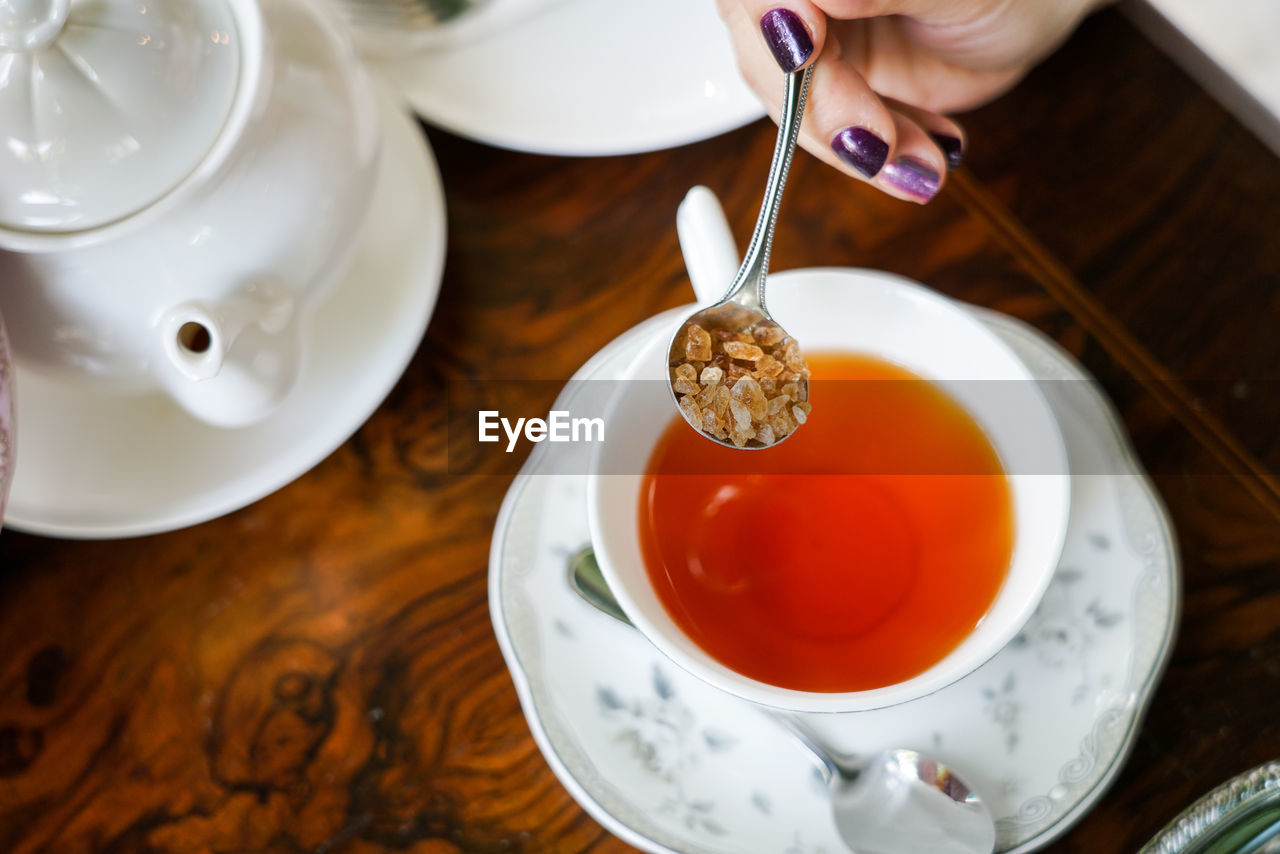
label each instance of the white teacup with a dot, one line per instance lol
(168, 227)
(858, 311)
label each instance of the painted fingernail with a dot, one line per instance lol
(787, 38)
(861, 149)
(952, 148)
(912, 177)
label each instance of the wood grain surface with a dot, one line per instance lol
(318, 673)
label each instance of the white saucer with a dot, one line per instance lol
(671, 764)
(586, 77)
(94, 464)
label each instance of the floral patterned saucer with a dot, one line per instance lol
(671, 764)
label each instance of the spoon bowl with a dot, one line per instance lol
(898, 801)
(895, 801)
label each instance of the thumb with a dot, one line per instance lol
(793, 30)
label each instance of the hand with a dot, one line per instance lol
(885, 71)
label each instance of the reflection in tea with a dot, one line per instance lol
(854, 556)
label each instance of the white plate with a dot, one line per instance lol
(670, 764)
(587, 77)
(95, 464)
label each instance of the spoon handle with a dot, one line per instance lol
(748, 285)
(827, 764)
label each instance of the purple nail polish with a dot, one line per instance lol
(787, 38)
(952, 148)
(861, 149)
(912, 177)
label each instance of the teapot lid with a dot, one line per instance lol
(107, 105)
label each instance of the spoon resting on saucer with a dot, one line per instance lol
(895, 801)
(762, 406)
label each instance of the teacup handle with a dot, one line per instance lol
(706, 241)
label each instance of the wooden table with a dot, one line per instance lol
(210, 689)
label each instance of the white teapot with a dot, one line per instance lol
(180, 180)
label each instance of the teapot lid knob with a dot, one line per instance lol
(31, 24)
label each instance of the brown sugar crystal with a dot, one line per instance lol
(697, 345)
(746, 386)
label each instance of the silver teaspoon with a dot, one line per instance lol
(743, 306)
(893, 802)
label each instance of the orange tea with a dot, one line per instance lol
(854, 555)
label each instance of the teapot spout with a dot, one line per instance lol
(232, 364)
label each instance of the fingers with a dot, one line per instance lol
(883, 142)
(895, 146)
